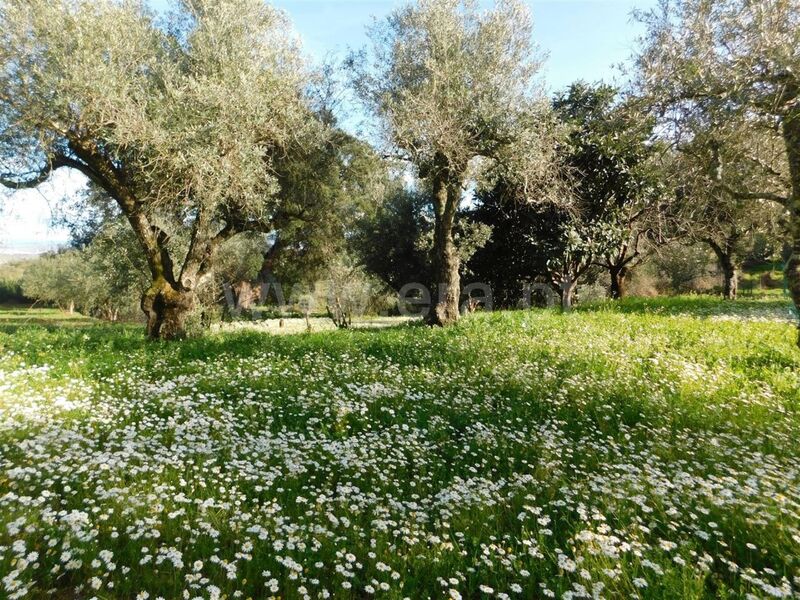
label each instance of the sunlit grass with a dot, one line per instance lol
(48, 317)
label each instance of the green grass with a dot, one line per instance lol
(751, 282)
(645, 449)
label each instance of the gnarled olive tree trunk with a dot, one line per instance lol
(171, 296)
(166, 307)
(446, 262)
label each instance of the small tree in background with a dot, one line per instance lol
(683, 267)
(616, 204)
(713, 162)
(58, 279)
(350, 291)
(104, 277)
(617, 182)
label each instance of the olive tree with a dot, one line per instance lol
(711, 165)
(740, 56)
(179, 123)
(57, 279)
(455, 90)
(327, 188)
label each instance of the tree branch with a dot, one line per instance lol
(19, 182)
(782, 200)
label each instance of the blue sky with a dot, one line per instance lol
(583, 39)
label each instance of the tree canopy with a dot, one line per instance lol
(204, 131)
(616, 202)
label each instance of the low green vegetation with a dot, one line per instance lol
(640, 449)
(11, 291)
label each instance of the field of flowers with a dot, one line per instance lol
(648, 450)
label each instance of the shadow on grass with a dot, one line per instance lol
(477, 340)
(46, 336)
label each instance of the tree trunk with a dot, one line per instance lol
(568, 293)
(618, 275)
(166, 307)
(731, 286)
(243, 294)
(265, 274)
(445, 256)
(791, 135)
(727, 263)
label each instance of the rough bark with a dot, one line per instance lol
(791, 135)
(618, 282)
(445, 255)
(166, 307)
(168, 300)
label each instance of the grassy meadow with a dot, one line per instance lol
(646, 449)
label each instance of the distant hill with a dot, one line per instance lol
(13, 257)
(25, 248)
